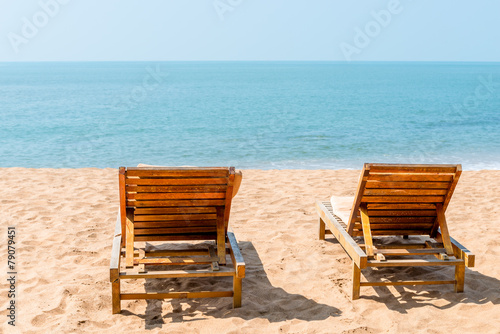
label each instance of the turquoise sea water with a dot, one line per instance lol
(249, 114)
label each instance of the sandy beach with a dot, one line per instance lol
(295, 283)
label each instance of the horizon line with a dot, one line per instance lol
(241, 61)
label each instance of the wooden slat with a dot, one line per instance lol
(174, 210)
(395, 219)
(174, 295)
(175, 261)
(177, 203)
(401, 206)
(414, 263)
(402, 199)
(404, 169)
(402, 213)
(179, 196)
(176, 237)
(174, 230)
(184, 217)
(410, 178)
(174, 223)
(406, 185)
(177, 168)
(417, 282)
(176, 189)
(177, 252)
(410, 251)
(393, 232)
(157, 172)
(419, 245)
(405, 192)
(395, 226)
(175, 182)
(223, 271)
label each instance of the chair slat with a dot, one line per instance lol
(172, 223)
(187, 173)
(400, 219)
(410, 177)
(160, 196)
(176, 189)
(406, 192)
(402, 199)
(401, 206)
(407, 185)
(177, 203)
(402, 213)
(183, 217)
(174, 182)
(174, 230)
(174, 210)
(406, 169)
(176, 237)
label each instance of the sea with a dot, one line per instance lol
(258, 115)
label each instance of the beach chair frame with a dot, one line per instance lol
(175, 204)
(404, 200)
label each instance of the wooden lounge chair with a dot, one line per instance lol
(175, 204)
(399, 200)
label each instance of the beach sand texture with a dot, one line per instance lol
(294, 283)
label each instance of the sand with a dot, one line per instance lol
(295, 283)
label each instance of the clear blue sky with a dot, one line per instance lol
(110, 30)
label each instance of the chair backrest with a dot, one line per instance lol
(176, 203)
(402, 199)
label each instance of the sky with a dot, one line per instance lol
(256, 30)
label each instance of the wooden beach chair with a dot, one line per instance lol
(175, 204)
(399, 200)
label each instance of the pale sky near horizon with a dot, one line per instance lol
(154, 30)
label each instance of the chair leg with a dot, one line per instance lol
(322, 228)
(236, 292)
(459, 277)
(356, 279)
(115, 296)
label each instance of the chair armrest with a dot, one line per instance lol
(461, 252)
(236, 257)
(114, 266)
(345, 240)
